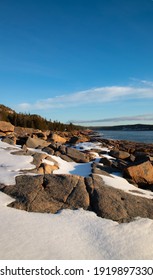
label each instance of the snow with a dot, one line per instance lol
(70, 234)
(82, 169)
(10, 165)
(122, 184)
(89, 146)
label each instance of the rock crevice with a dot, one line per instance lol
(51, 193)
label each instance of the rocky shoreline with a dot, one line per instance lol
(50, 192)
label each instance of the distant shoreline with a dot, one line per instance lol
(143, 136)
(134, 127)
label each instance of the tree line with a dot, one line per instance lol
(35, 121)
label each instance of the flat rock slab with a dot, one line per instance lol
(77, 155)
(49, 193)
(36, 142)
(115, 204)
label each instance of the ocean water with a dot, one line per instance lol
(137, 136)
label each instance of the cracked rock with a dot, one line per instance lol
(49, 193)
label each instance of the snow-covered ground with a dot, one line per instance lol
(69, 234)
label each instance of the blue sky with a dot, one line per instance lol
(85, 61)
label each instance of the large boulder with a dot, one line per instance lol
(115, 204)
(77, 155)
(49, 168)
(119, 154)
(44, 164)
(48, 150)
(78, 139)
(6, 127)
(49, 193)
(66, 158)
(25, 131)
(105, 161)
(141, 173)
(57, 138)
(120, 164)
(36, 142)
(141, 156)
(101, 170)
(38, 158)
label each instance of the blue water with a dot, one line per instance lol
(137, 136)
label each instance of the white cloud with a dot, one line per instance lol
(24, 106)
(90, 96)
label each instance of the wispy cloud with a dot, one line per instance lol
(147, 83)
(142, 82)
(145, 117)
(94, 95)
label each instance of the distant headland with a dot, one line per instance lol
(134, 127)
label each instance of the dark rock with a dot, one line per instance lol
(103, 152)
(107, 169)
(120, 164)
(54, 146)
(70, 189)
(115, 204)
(37, 159)
(57, 153)
(79, 138)
(76, 155)
(100, 172)
(21, 141)
(141, 156)
(49, 193)
(66, 158)
(74, 140)
(105, 161)
(119, 154)
(62, 149)
(48, 150)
